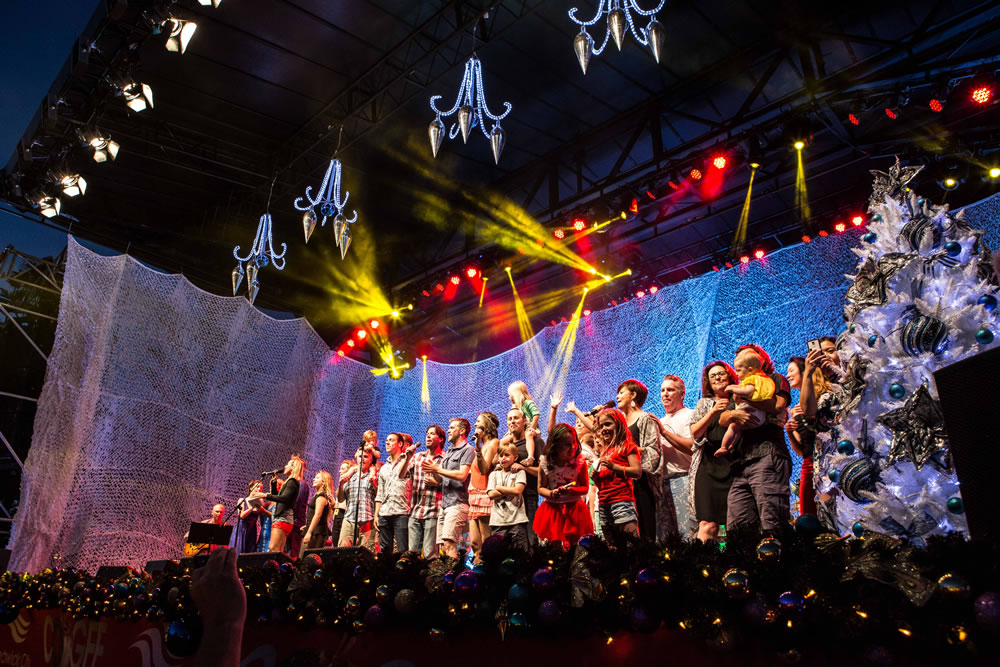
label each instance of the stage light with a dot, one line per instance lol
(49, 206)
(373, 324)
(340, 353)
(853, 119)
(634, 206)
(104, 148)
(729, 265)
(891, 113)
(579, 224)
(623, 216)
(857, 220)
(395, 314)
(755, 165)
(995, 172)
(73, 185)
(507, 269)
(744, 259)
(137, 96)
(472, 272)
(719, 161)
(425, 293)
(650, 194)
(361, 334)
(799, 144)
(806, 238)
(935, 105)
(438, 288)
(653, 289)
(206, 3)
(350, 343)
(640, 294)
(559, 233)
(840, 227)
(823, 233)
(758, 253)
(695, 174)
(455, 280)
(948, 183)
(592, 271)
(181, 33)
(982, 94)
(586, 313)
(423, 357)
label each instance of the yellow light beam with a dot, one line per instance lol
(482, 293)
(740, 238)
(425, 389)
(801, 195)
(557, 372)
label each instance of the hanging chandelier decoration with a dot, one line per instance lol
(472, 111)
(329, 202)
(619, 15)
(260, 255)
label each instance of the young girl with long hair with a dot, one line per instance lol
(562, 481)
(317, 527)
(619, 465)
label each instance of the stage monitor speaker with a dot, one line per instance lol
(973, 433)
(157, 566)
(112, 571)
(252, 559)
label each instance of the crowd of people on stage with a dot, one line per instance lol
(616, 470)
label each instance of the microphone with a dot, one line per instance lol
(598, 408)
(273, 472)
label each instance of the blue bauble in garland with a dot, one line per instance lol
(913, 231)
(858, 529)
(870, 237)
(953, 585)
(182, 638)
(988, 301)
(518, 621)
(897, 390)
(543, 581)
(984, 336)
(953, 248)
(791, 604)
(808, 524)
(834, 475)
(736, 582)
(877, 217)
(955, 505)
(923, 333)
(872, 340)
(327, 209)
(845, 447)
(467, 584)
(518, 594)
(769, 550)
(859, 476)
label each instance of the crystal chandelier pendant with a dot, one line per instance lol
(619, 19)
(261, 254)
(330, 203)
(472, 111)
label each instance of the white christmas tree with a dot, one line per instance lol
(925, 296)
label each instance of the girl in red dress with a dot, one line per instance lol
(563, 483)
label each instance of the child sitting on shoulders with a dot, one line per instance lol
(521, 398)
(505, 488)
(754, 386)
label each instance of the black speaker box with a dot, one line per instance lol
(255, 559)
(113, 571)
(969, 390)
(343, 558)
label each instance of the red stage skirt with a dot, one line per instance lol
(565, 522)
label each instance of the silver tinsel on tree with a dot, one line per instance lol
(924, 297)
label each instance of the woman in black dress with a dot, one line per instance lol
(710, 475)
(317, 527)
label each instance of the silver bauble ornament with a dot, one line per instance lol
(339, 224)
(251, 273)
(308, 223)
(436, 134)
(237, 278)
(252, 289)
(583, 46)
(616, 23)
(497, 140)
(654, 35)
(465, 116)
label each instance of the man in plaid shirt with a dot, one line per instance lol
(426, 505)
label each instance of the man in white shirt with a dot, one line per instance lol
(676, 433)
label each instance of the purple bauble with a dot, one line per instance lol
(987, 608)
(449, 577)
(466, 584)
(643, 621)
(543, 581)
(549, 613)
(492, 549)
(588, 541)
(647, 579)
(374, 617)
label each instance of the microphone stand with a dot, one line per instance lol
(357, 498)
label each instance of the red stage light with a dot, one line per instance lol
(579, 224)
(935, 106)
(586, 313)
(640, 294)
(853, 119)
(361, 334)
(472, 272)
(719, 161)
(559, 233)
(840, 227)
(373, 324)
(806, 238)
(438, 288)
(350, 343)
(650, 194)
(340, 353)
(425, 293)
(729, 265)
(634, 206)
(613, 302)
(715, 268)
(823, 232)
(653, 289)
(890, 113)
(696, 174)
(982, 94)
(455, 280)
(744, 259)
(553, 322)
(758, 253)
(857, 220)
(562, 319)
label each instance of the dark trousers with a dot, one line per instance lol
(645, 507)
(338, 518)
(393, 527)
(530, 506)
(759, 494)
(516, 534)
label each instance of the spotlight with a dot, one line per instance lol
(936, 105)
(653, 289)
(799, 144)
(857, 220)
(806, 238)
(455, 280)
(715, 268)
(373, 324)
(695, 174)
(586, 313)
(719, 161)
(423, 357)
(579, 224)
(340, 353)
(181, 33)
(425, 292)
(758, 253)
(73, 185)
(507, 269)
(49, 205)
(948, 183)
(634, 206)
(361, 334)
(104, 148)
(891, 113)
(640, 294)
(138, 96)
(824, 233)
(350, 343)
(650, 194)
(438, 288)
(559, 233)
(840, 227)
(755, 165)
(472, 272)
(744, 259)
(395, 314)
(995, 172)
(982, 94)
(853, 119)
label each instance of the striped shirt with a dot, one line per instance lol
(366, 485)
(393, 492)
(426, 502)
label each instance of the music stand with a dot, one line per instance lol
(209, 533)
